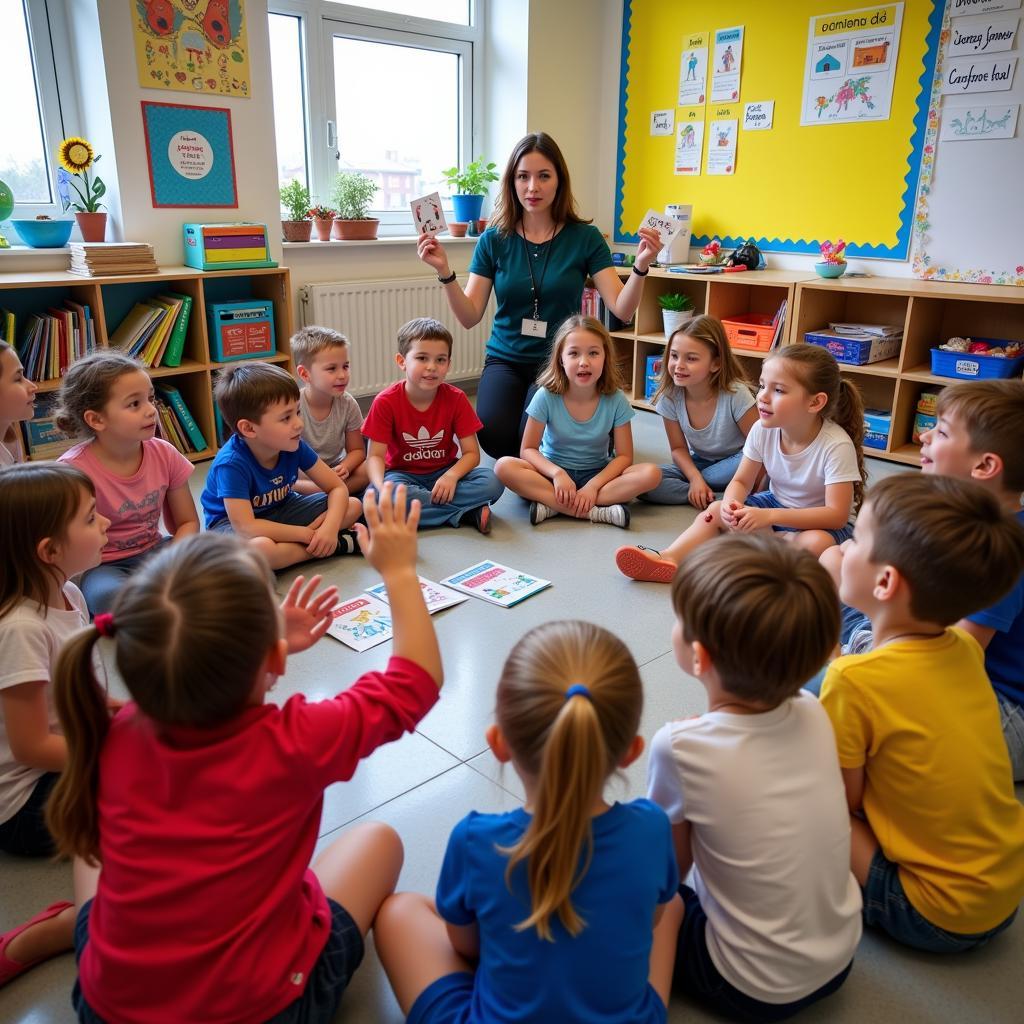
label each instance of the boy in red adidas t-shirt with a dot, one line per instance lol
(413, 426)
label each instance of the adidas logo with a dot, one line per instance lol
(422, 438)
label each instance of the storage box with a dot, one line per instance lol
(922, 422)
(877, 425)
(856, 351)
(751, 330)
(973, 366)
(241, 330)
(227, 246)
(927, 402)
(653, 376)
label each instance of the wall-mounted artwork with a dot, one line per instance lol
(196, 46)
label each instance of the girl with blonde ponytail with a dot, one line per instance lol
(567, 908)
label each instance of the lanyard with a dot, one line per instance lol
(535, 285)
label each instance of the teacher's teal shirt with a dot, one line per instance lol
(577, 252)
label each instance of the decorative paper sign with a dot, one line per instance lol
(190, 154)
(182, 45)
(722, 147)
(982, 121)
(958, 7)
(427, 215)
(666, 227)
(851, 65)
(758, 117)
(693, 69)
(689, 147)
(976, 36)
(970, 74)
(663, 122)
(725, 71)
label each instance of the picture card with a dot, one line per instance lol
(693, 69)
(981, 121)
(666, 227)
(427, 215)
(435, 596)
(496, 583)
(722, 147)
(689, 147)
(725, 72)
(361, 622)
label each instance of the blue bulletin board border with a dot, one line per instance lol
(899, 251)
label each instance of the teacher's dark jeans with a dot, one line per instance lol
(501, 399)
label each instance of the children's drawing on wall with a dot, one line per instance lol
(722, 147)
(192, 46)
(979, 122)
(693, 69)
(851, 65)
(725, 72)
(689, 146)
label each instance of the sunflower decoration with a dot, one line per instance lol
(77, 157)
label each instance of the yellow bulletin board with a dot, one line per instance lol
(792, 186)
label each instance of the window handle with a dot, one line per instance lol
(332, 136)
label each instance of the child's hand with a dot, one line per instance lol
(390, 542)
(306, 613)
(728, 513)
(443, 490)
(324, 542)
(430, 250)
(700, 494)
(342, 470)
(565, 489)
(586, 498)
(750, 519)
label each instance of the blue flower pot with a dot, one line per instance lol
(467, 208)
(44, 234)
(830, 269)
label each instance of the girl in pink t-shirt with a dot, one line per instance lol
(108, 397)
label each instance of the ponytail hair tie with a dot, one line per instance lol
(578, 690)
(104, 624)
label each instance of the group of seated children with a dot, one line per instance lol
(889, 801)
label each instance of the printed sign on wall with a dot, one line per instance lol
(725, 71)
(693, 70)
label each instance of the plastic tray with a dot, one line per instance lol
(974, 366)
(752, 330)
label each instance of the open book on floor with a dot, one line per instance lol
(496, 583)
(361, 622)
(436, 596)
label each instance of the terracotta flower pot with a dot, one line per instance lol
(92, 225)
(480, 225)
(323, 227)
(297, 230)
(355, 230)
(458, 228)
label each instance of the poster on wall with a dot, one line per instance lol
(851, 65)
(725, 69)
(758, 117)
(192, 46)
(982, 121)
(190, 154)
(977, 37)
(693, 70)
(722, 147)
(976, 74)
(958, 7)
(689, 146)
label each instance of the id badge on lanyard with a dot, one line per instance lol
(533, 326)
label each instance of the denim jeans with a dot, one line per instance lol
(1011, 717)
(101, 584)
(674, 488)
(478, 487)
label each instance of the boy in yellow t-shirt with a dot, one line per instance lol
(937, 831)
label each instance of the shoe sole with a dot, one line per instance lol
(483, 520)
(638, 565)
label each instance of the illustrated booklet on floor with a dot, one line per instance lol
(496, 583)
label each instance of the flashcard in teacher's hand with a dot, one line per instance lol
(427, 215)
(666, 227)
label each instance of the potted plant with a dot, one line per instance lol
(76, 157)
(352, 194)
(469, 186)
(676, 309)
(295, 200)
(323, 221)
(458, 228)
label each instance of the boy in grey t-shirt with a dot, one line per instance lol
(331, 417)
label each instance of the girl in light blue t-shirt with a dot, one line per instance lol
(707, 410)
(565, 465)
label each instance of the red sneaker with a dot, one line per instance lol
(640, 563)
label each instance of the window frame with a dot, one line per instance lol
(322, 20)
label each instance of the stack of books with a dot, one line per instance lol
(155, 329)
(100, 259)
(43, 441)
(54, 340)
(593, 305)
(175, 423)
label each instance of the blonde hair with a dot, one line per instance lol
(570, 747)
(708, 330)
(553, 377)
(818, 372)
(309, 342)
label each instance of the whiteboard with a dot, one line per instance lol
(969, 224)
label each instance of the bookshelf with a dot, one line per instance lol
(110, 299)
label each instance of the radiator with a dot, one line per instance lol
(369, 314)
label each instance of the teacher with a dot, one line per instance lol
(536, 254)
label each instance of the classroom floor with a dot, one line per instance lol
(424, 783)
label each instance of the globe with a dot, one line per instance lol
(6, 206)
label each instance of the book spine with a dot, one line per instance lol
(173, 396)
(175, 347)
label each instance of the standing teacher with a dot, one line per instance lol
(537, 254)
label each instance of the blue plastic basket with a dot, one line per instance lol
(973, 365)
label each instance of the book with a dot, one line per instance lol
(172, 396)
(436, 596)
(42, 438)
(176, 344)
(134, 326)
(361, 622)
(779, 323)
(8, 327)
(868, 330)
(496, 583)
(96, 259)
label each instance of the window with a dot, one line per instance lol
(387, 94)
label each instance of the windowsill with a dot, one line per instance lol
(390, 240)
(28, 250)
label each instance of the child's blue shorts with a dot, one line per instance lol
(765, 499)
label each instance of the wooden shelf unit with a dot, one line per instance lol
(111, 298)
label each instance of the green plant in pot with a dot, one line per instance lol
(469, 186)
(323, 220)
(676, 309)
(352, 194)
(295, 201)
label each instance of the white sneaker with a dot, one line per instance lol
(617, 515)
(539, 512)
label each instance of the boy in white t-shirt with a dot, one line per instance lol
(753, 788)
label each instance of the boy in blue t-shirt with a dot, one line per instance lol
(249, 487)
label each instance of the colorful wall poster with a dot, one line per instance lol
(693, 70)
(663, 122)
(958, 7)
(979, 36)
(973, 74)
(758, 117)
(689, 146)
(982, 121)
(185, 46)
(191, 156)
(851, 65)
(725, 70)
(722, 146)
